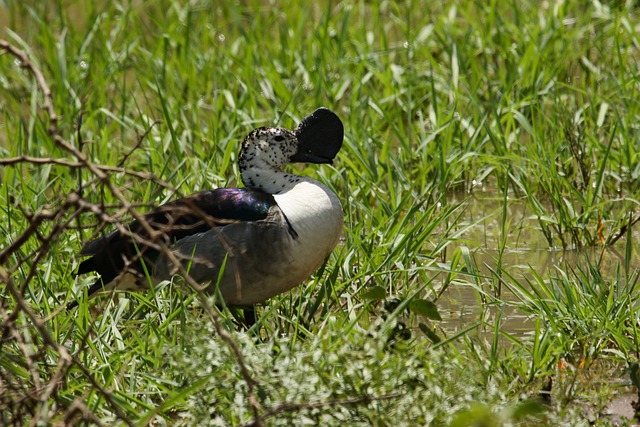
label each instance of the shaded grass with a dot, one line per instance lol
(534, 101)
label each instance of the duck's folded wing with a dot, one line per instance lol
(117, 252)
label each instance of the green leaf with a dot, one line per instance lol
(376, 293)
(425, 308)
(530, 407)
(476, 415)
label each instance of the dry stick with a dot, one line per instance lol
(53, 132)
(65, 356)
(79, 406)
(38, 218)
(138, 144)
(58, 227)
(31, 367)
(42, 83)
(7, 161)
(291, 407)
(151, 242)
(226, 337)
(64, 162)
(224, 334)
(623, 231)
(21, 239)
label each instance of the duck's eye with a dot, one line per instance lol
(279, 138)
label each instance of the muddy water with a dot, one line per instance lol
(526, 251)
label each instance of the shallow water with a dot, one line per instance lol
(526, 250)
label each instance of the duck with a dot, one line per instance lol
(245, 245)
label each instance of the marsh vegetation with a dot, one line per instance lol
(489, 177)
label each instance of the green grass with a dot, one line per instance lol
(472, 132)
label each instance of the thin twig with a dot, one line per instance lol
(141, 138)
(623, 230)
(226, 337)
(292, 407)
(79, 406)
(9, 161)
(25, 62)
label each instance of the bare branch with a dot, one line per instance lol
(293, 407)
(623, 230)
(60, 219)
(141, 138)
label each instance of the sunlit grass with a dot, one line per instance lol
(534, 103)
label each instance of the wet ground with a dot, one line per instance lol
(621, 410)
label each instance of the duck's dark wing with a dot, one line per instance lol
(116, 252)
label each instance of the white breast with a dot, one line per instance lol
(314, 212)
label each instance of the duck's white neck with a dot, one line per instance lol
(269, 179)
